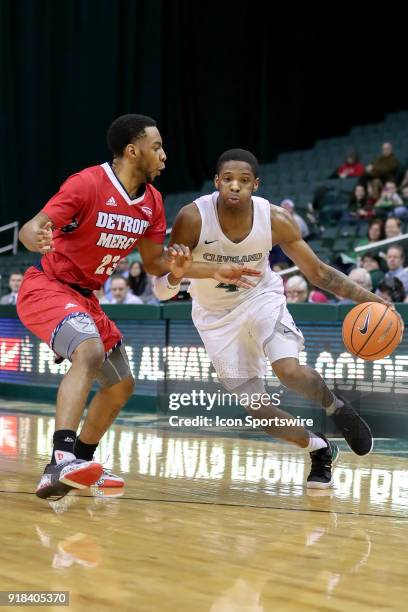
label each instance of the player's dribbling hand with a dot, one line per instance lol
(391, 306)
(233, 275)
(180, 260)
(45, 242)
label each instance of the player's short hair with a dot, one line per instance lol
(126, 129)
(238, 155)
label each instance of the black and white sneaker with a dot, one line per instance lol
(58, 479)
(320, 476)
(354, 429)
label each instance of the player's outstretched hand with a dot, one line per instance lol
(180, 259)
(45, 242)
(392, 306)
(233, 275)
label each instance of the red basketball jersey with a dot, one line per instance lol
(97, 225)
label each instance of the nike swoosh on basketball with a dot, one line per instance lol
(363, 330)
(209, 241)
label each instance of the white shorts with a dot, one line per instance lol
(240, 342)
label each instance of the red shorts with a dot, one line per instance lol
(43, 303)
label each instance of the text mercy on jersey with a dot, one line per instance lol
(122, 223)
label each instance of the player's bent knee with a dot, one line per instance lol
(126, 388)
(90, 354)
(119, 394)
(116, 369)
(288, 371)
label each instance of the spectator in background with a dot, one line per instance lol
(375, 233)
(318, 297)
(351, 167)
(296, 290)
(120, 292)
(395, 264)
(391, 201)
(14, 285)
(140, 284)
(372, 263)
(393, 227)
(121, 269)
(359, 206)
(289, 205)
(362, 278)
(374, 191)
(385, 166)
(391, 290)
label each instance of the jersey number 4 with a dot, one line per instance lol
(103, 267)
(227, 287)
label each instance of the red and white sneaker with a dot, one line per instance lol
(107, 492)
(58, 479)
(109, 480)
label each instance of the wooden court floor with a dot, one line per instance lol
(205, 523)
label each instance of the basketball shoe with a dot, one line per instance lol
(109, 480)
(355, 430)
(58, 479)
(321, 476)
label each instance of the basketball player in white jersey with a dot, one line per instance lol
(241, 327)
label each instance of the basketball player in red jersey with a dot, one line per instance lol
(97, 217)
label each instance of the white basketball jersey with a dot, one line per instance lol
(214, 247)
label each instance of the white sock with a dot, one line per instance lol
(61, 456)
(315, 443)
(337, 403)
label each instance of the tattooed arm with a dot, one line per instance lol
(338, 283)
(286, 233)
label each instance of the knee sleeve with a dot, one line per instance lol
(283, 343)
(115, 368)
(73, 330)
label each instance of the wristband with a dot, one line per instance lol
(163, 290)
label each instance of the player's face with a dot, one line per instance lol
(152, 155)
(236, 183)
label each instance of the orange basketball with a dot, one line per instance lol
(372, 331)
